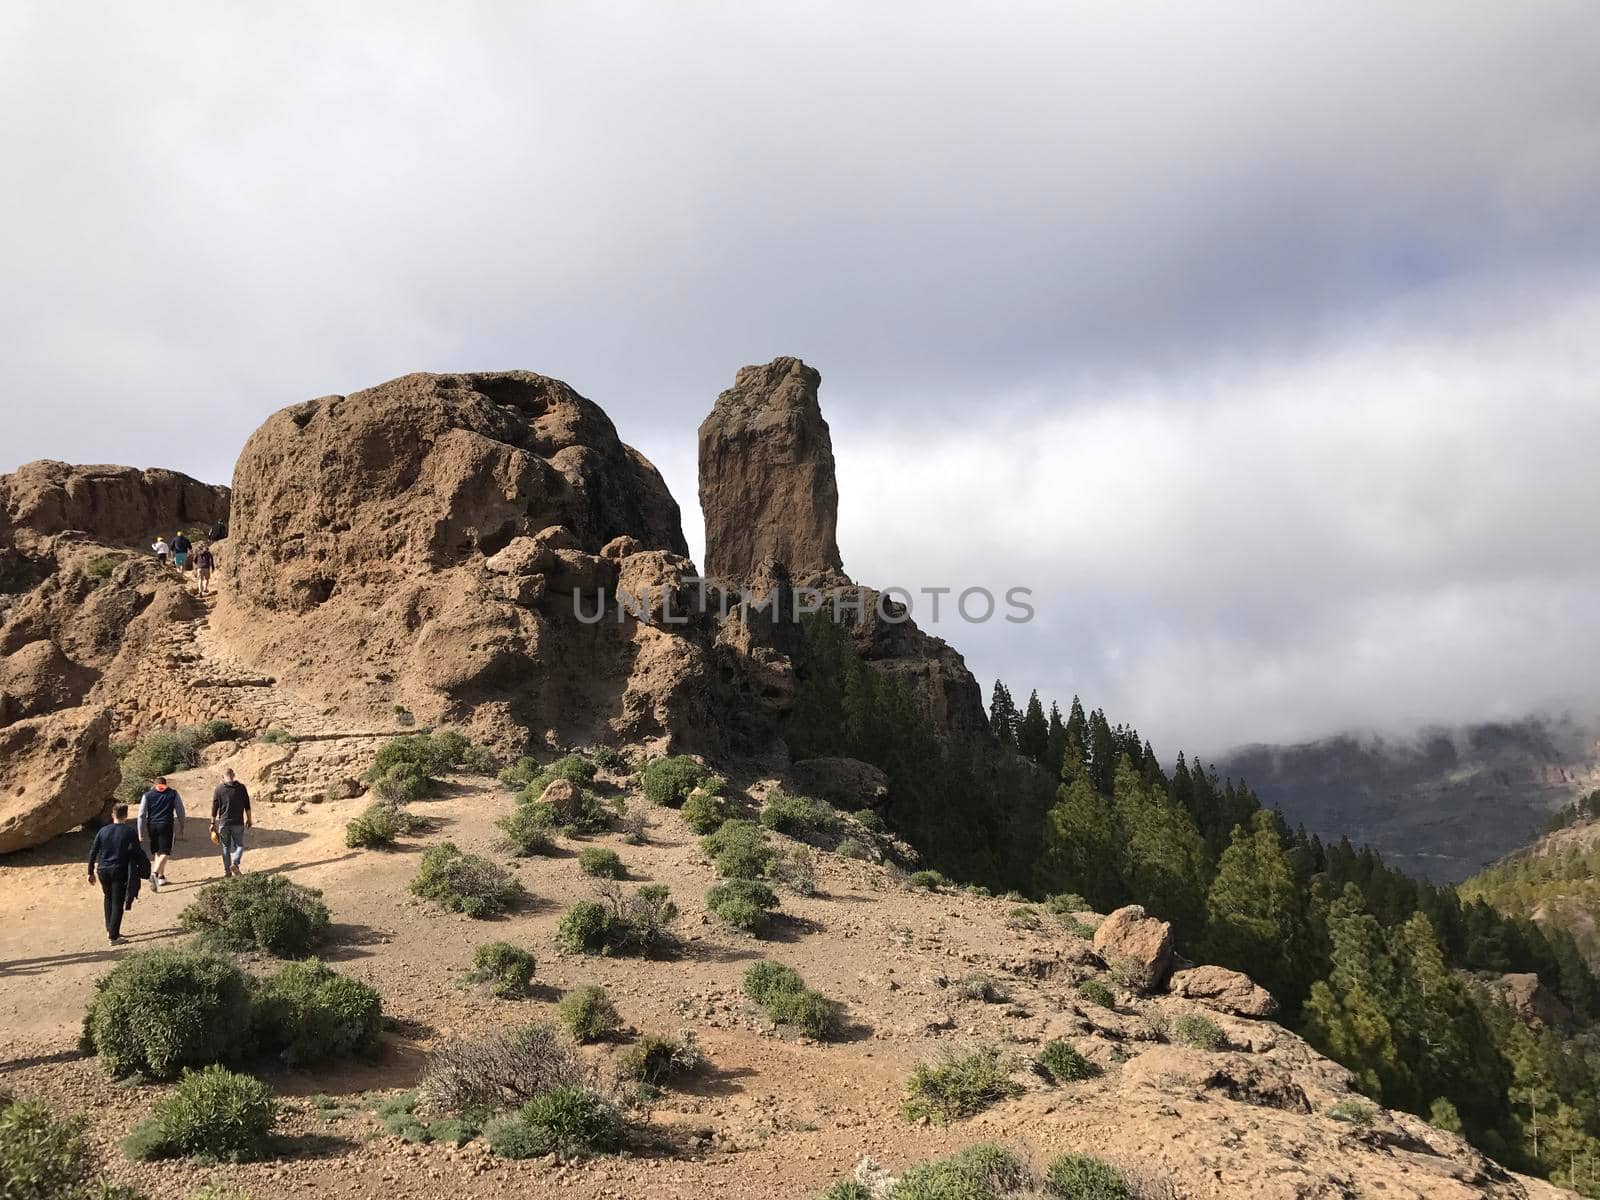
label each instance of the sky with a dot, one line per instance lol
(1263, 346)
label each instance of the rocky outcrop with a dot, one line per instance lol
(59, 773)
(1533, 1003)
(1137, 947)
(1223, 990)
(113, 506)
(767, 484)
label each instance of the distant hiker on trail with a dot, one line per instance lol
(230, 817)
(158, 810)
(180, 551)
(204, 560)
(114, 856)
(218, 532)
(160, 547)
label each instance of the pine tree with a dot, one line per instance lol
(1346, 1015)
(1055, 752)
(1003, 714)
(1079, 853)
(1255, 914)
(1033, 732)
(1103, 756)
(1162, 857)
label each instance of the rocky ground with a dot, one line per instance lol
(774, 1116)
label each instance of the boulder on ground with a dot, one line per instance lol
(1138, 947)
(59, 774)
(1223, 990)
(846, 783)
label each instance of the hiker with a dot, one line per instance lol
(230, 817)
(180, 551)
(160, 547)
(218, 532)
(116, 855)
(204, 560)
(158, 810)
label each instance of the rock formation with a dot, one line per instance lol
(81, 598)
(1223, 990)
(1137, 946)
(767, 483)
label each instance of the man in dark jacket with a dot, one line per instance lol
(160, 813)
(230, 817)
(115, 853)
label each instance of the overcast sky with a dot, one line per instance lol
(1262, 342)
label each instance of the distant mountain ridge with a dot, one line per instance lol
(1442, 804)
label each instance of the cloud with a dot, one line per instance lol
(1189, 258)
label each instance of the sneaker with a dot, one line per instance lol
(155, 885)
(119, 941)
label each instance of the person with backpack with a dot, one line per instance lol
(160, 548)
(159, 810)
(180, 551)
(204, 561)
(230, 817)
(115, 856)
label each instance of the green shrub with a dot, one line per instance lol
(1082, 1177)
(601, 863)
(703, 812)
(606, 757)
(1023, 917)
(622, 924)
(1357, 1110)
(739, 849)
(959, 1085)
(1065, 904)
(766, 979)
(574, 768)
(588, 1014)
(520, 773)
(380, 824)
(981, 1172)
(578, 812)
(797, 815)
(211, 1112)
(870, 820)
(530, 830)
(792, 866)
(220, 730)
(930, 880)
(657, 1060)
(159, 1011)
(982, 987)
(847, 1189)
(306, 1013)
(448, 746)
(404, 768)
(1096, 992)
(808, 1012)
(568, 1121)
(1064, 1064)
(259, 911)
(42, 1158)
(854, 848)
(166, 753)
(742, 903)
(669, 780)
(480, 760)
(507, 969)
(403, 783)
(276, 737)
(585, 928)
(1200, 1032)
(465, 883)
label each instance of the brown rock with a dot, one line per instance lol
(621, 547)
(114, 506)
(1179, 1071)
(1137, 946)
(1531, 1001)
(767, 484)
(846, 783)
(38, 678)
(59, 773)
(1223, 990)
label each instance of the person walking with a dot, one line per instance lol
(115, 854)
(180, 551)
(159, 546)
(204, 561)
(230, 817)
(159, 810)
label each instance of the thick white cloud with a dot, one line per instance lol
(1291, 301)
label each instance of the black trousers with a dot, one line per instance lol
(115, 886)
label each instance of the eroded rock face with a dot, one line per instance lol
(767, 483)
(114, 506)
(1138, 946)
(59, 773)
(1223, 990)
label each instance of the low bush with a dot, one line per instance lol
(794, 868)
(572, 810)
(259, 911)
(480, 760)
(572, 1122)
(1083, 1177)
(632, 823)
(981, 1172)
(501, 1070)
(465, 883)
(42, 1158)
(703, 812)
(982, 987)
(1096, 992)
(870, 820)
(606, 757)
(159, 1011)
(1200, 1032)
(669, 780)
(585, 928)
(520, 773)
(1065, 904)
(797, 815)
(506, 969)
(1023, 917)
(930, 880)
(742, 903)
(848, 1189)
(854, 848)
(1357, 1110)
(399, 1117)
(448, 747)
(1064, 1064)
(600, 863)
(380, 825)
(766, 979)
(275, 737)
(530, 830)
(958, 1085)
(166, 753)
(588, 1014)
(656, 1060)
(403, 783)
(307, 1013)
(405, 768)
(212, 1112)
(807, 1012)
(739, 849)
(619, 923)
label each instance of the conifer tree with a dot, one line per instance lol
(1079, 853)
(1033, 732)
(1003, 714)
(1255, 914)
(1162, 857)
(1055, 751)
